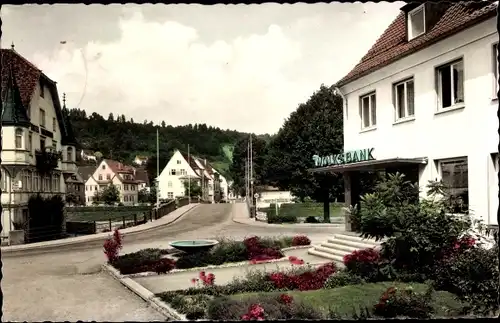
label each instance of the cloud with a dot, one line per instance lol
(164, 70)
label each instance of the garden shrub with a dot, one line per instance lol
(193, 306)
(343, 278)
(473, 276)
(311, 219)
(141, 261)
(416, 231)
(272, 217)
(365, 263)
(269, 307)
(301, 240)
(308, 280)
(192, 260)
(404, 303)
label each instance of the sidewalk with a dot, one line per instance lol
(240, 215)
(167, 219)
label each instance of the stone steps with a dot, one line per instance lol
(336, 247)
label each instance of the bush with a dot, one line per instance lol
(301, 240)
(143, 261)
(273, 308)
(309, 280)
(272, 217)
(364, 263)
(343, 278)
(192, 260)
(417, 231)
(193, 306)
(311, 219)
(473, 276)
(112, 246)
(404, 303)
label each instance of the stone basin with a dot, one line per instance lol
(194, 246)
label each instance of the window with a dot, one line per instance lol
(86, 188)
(416, 22)
(169, 184)
(125, 187)
(42, 90)
(108, 176)
(19, 138)
(495, 70)
(170, 195)
(368, 111)
(183, 172)
(125, 198)
(100, 177)
(179, 162)
(103, 166)
(54, 144)
(42, 143)
(404, 99)
(30, 142)
(69, 154)
(54, 124)
(172, 172)
(95, 187)
(455, 176)
(451, 84)
(42, 118)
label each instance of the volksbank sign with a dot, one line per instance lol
(344, 158)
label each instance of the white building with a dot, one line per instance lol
(423, 99)
(34, 127)
(181, 168)
(273, 195)
(113, 172)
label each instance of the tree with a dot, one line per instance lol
(143, 196)
(192, 187)
(110, 194)
(163, 124)
(237, 167)
(72, 198)
(316, 127)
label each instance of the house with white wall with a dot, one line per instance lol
(33, 125)
(181, 168)
(113, 172)
(423, 100)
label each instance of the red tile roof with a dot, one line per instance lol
(392, 45)
(27, 75)
(118, 167)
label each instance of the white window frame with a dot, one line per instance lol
(169, 184)
(410, 21)
(405, 99)
(19, 136)
(178, 162)
(439, 89)
(170, 195)
(371, 124)
(43, 117)
(495, 71)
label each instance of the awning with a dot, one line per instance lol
(370, 165)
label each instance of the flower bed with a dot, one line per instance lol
(253, 249)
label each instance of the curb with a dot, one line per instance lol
(145, 294)
(229, 265)
(93, 238)
(284, 225)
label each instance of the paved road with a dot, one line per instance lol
(66, 284)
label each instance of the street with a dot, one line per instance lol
(67, 283)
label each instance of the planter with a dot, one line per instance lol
(16, 237)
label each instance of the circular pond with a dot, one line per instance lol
(193, 246)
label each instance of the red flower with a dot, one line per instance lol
(202, 275)
(194, 280)
(301, 240)
(255, 312)
(286, 299)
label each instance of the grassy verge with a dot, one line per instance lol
(344, 300)
(103, 216)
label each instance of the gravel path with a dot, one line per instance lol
(67, 284)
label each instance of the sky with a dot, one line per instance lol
(241, 67)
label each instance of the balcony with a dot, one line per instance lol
(47, 160)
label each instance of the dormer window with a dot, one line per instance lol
(416, 22)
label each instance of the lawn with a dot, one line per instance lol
(344, 300)
(104, 215)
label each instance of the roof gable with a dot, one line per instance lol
(14, 112)
(392, 45)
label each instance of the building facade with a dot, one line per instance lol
(35, 130)
(424, 99)
(113, 172)
(181, 169)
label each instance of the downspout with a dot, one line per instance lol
(336, 90)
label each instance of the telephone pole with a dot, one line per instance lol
(251, 171)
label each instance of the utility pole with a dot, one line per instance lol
(251, 171)
(157, 168)
(247, 172)
(189, 179)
